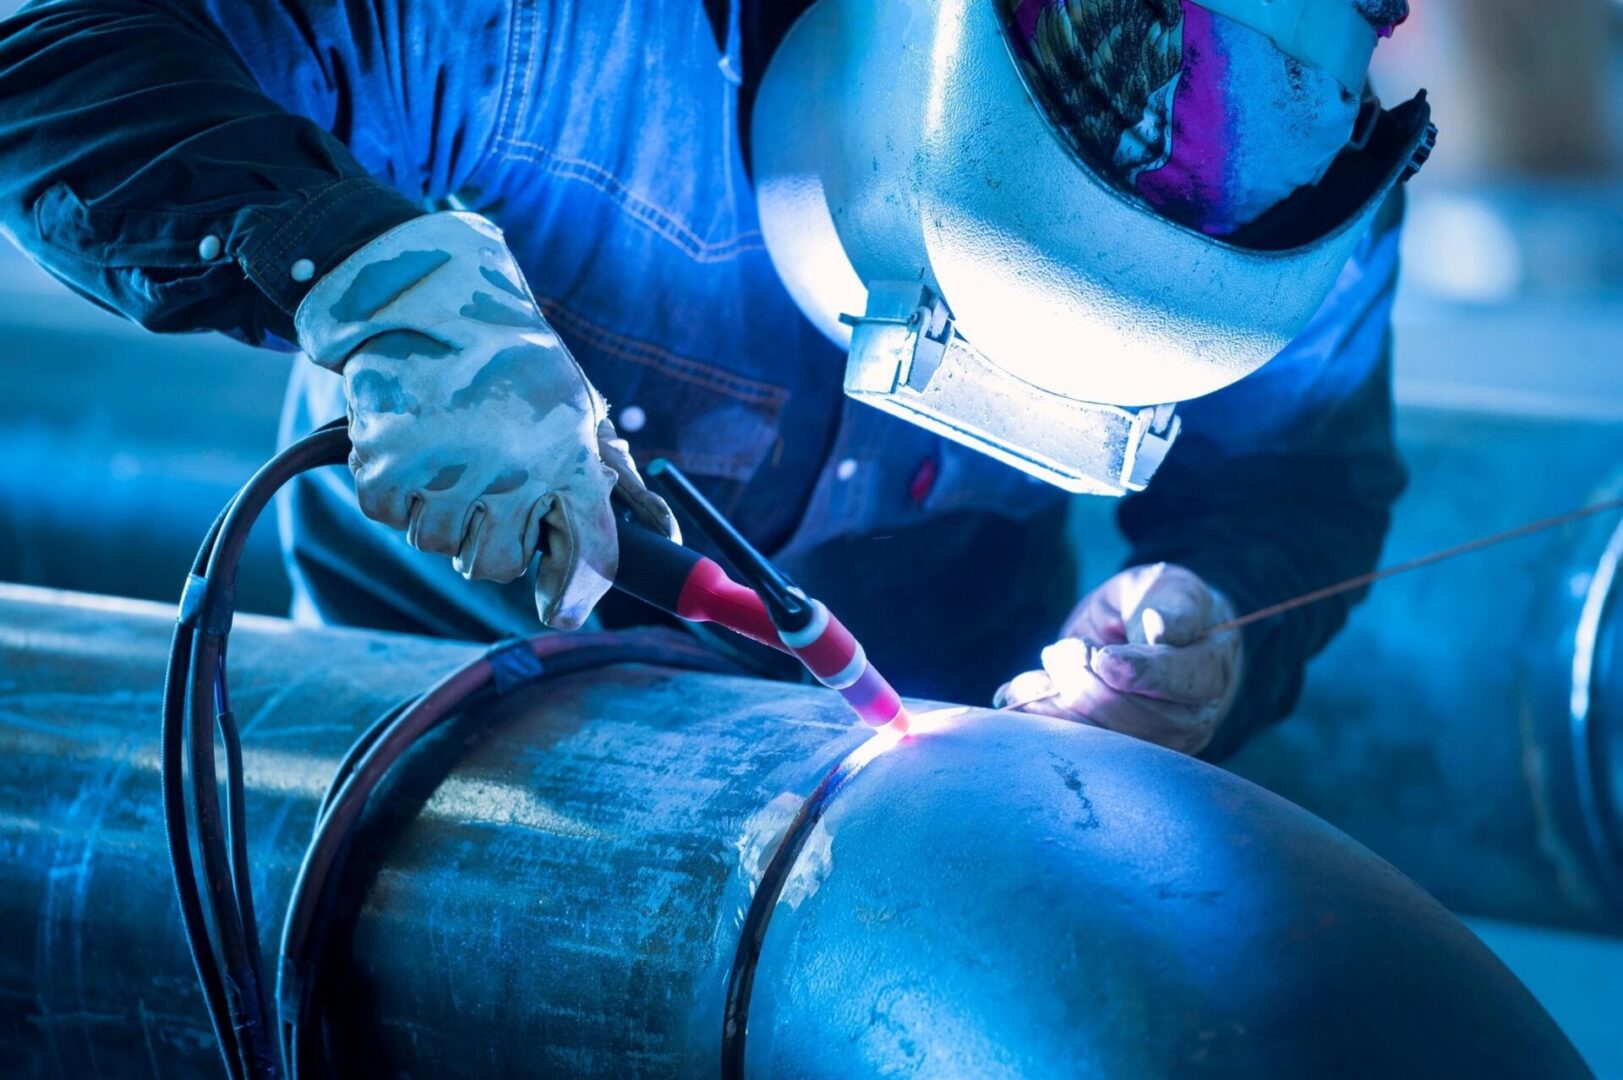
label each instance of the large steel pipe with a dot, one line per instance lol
(1439, 729)
(556, 885)
(1468, 725)
(121, 446)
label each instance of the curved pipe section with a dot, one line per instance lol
(1447, 684)
(559, 885)
(1468, 723)
(1597, 745)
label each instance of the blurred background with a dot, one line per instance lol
(1468, 725)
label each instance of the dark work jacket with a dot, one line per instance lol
(604, 138)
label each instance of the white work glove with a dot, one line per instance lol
(1134, 659)
(475, 431)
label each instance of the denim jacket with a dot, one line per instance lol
(176, 160)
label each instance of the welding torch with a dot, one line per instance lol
(770, 609)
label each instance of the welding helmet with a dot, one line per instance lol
(928, 210)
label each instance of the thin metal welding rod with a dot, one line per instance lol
(1414, 564)
(1362, 580)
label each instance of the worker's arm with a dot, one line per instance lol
(1280, 485)
(131, 131)
(179, 162)
(1284, 483)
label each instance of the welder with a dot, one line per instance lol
(526, 244)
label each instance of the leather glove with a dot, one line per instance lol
(1135, 659)
(475, 431)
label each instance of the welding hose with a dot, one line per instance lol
(219, 921)
(226, 956)
(504, 668)
(208, 859)
(182, 872)
(225, 871)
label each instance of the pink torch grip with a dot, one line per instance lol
(833, 655)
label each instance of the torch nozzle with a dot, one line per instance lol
(806, 628)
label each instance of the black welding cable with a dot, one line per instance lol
(357, 751)
(236, 822)
(225, 904)
(220, 923)
(236, 827)
(175, 783)
(173, 787)
(228, 904)
(303, 936)
(208, 851)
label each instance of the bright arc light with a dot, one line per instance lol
(907, 725)
(880, 741)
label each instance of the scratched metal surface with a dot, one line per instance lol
(1022, 898)
(93, 971)
(550, 894)
(556, 883)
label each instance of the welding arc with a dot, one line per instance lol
(1363, 580)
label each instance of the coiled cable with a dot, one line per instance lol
(207, 842)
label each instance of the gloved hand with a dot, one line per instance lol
(475, 431)
(1134, 660)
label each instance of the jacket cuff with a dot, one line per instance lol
(285, 260)
(440, 258)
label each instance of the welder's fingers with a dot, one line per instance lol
(1097, 617)
(1178, 727)
(1198, 674)
(1186, 728)
(581, 550)
(648, 507)
(436, 525)
(381, 494)
(1171, 607)
(497, 544)
(1034, 692)
(1023, 691)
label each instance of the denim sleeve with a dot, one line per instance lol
(131, 131)
(1284, 483)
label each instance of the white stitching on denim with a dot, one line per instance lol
(504, 102)
(640, 208)
(647, 354)
(527, 84)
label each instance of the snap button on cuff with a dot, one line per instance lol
(210, 247)
(632, 418)
(303, 270)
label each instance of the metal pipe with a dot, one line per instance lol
(556, 884)
(121, 446)
(1439, 729)
(1468, 724)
